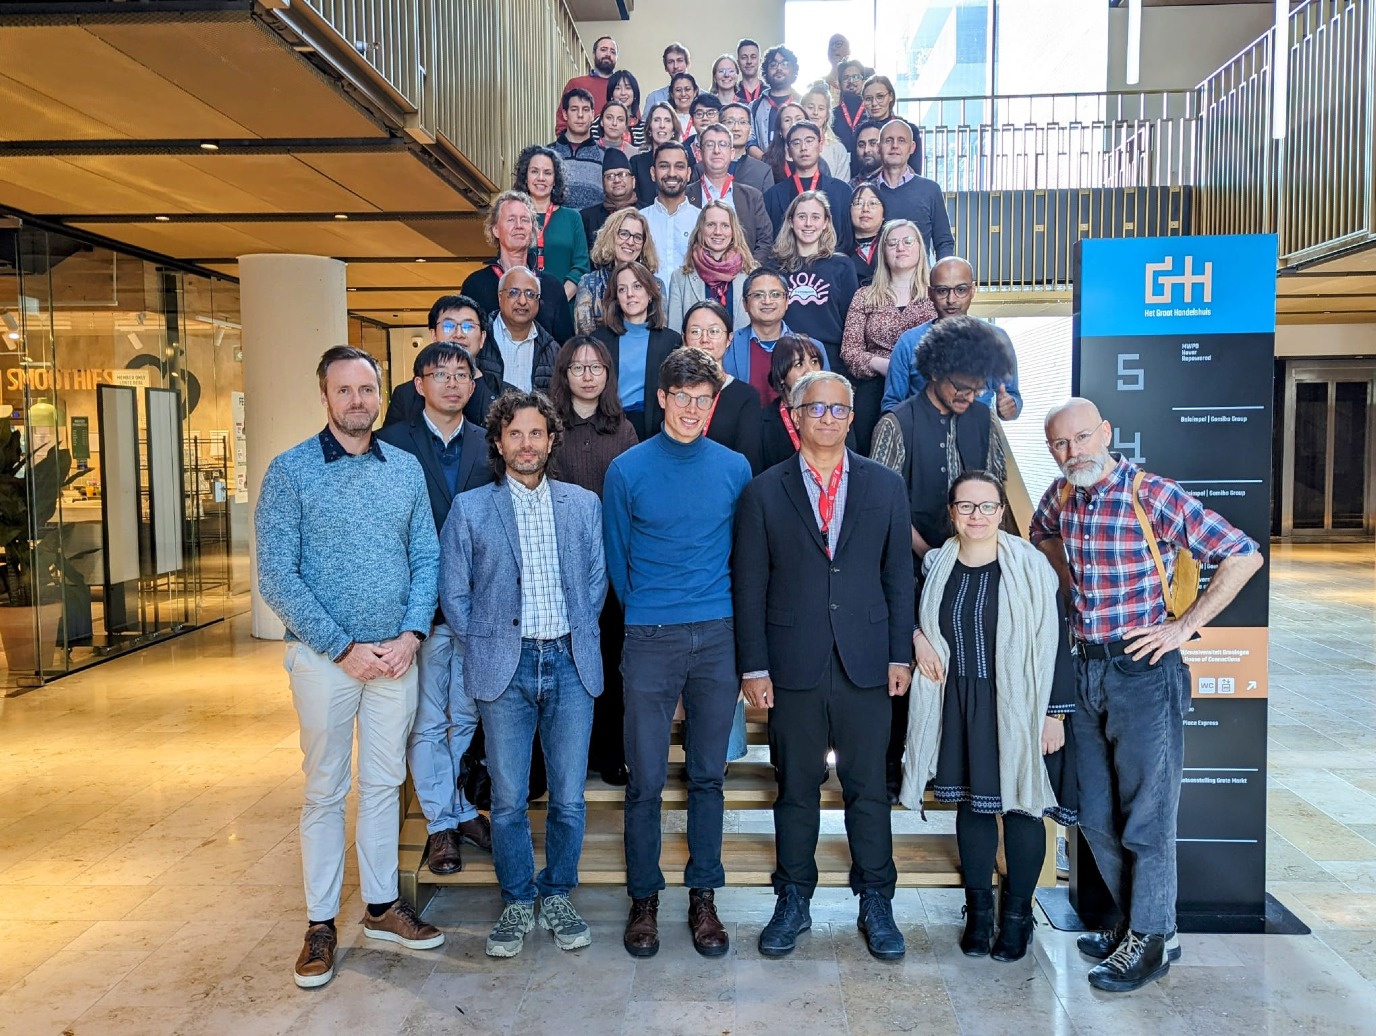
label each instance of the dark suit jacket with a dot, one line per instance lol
(405, 403)
(662, 343)
(792, 603)
(414, 436)
(750, 210)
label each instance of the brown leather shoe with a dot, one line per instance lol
(642, 927)
(442, 854)
(709, 937)
(477, 831)
(315, 966)
(400, 924)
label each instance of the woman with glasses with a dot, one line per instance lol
(896, 301)
(793, 356)
(716, 267)
(624, 238)
(735, 418)
(817, 104)
(662, 126)
(879, 99)
(991, 691)
(623, 88)
(585, 394)
(637, 340)
(866, 220)
(560, 248)
(821, 283)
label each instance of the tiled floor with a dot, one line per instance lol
(150, 883)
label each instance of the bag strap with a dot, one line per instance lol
(1150, 534)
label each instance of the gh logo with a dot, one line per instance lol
(1161, 282)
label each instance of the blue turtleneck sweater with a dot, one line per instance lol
(667, 511)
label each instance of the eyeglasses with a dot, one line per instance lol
(516, 293)
(760, 296)
(449, 377)
(448, 327)
(967, 507)
(717, 145)
(1081, 440)
(906, 239)
(630, 237)
(735, 120)
(960, 291)
(780, 63)
(964, 391)
(817, 411)
(684, 400)
(853, 77)
(595, 369)
(712, 332)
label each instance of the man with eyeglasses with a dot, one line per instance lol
(526, 350)
(822, 581)
(717, 183)
(750, 355)
(952, 289)
(908, 195)
(849, 113)
(618, 192)
(1132, 687)
(668, 505)
(458, 320)
(510, 225)
(934, 436)
(453, 454)
(744, 167)
(780, 73)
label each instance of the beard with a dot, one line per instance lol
(1084, 472)
(527, 465)
(866, 166)
(355, 422)
(605, 66)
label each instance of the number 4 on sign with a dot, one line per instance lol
(1124, 445)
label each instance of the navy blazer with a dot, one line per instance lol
(414, 436)
(480, 583)
(793, 603)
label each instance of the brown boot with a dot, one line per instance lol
(709, 937)
(642, 927)
(442, 854)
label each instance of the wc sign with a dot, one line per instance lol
(1162, 281)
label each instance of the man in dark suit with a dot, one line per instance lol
(453, 454)
(716, 183)
(822, 579)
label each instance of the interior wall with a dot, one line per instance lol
(706, 27)
(1326, 340)
(1183, 46)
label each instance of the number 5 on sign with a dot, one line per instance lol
(1130, 379)
(1134, 445)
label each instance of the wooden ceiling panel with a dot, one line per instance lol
(433, 277)
(1363, 261)
(456, 237)
(390, 300)
(32, 115)
(397, 182)
(1323, 303)
(56, 186)
(187, 239)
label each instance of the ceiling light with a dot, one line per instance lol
(420, 260)
(1133, 62)
(163, 219)
(341, 215)
(209, 145)
(13, 336)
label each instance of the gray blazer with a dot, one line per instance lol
(480, 583)
(688, 289)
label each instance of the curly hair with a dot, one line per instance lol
(603, 251)
(494, 211)
(503, 411)
(518, 182)
(964, 345)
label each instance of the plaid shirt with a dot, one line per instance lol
(544, 613)
(1114, 580)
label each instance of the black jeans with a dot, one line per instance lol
(855, 721)
(695, 660)
(607, 750)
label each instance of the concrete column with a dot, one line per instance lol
(293, 308)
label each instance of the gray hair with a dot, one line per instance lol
(501, 284)
(811, 378)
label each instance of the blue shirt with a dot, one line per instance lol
(736, 360)
(630, 365)
(904, 380)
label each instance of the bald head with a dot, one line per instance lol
(1081, 412)
(1078, 437)
(951, 287)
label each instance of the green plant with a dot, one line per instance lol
(29, 489)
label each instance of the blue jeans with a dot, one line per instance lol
(1129, 741)
(737, 746)
(545, 695)
(695, 660)
(446, 718)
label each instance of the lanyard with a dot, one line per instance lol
(826, 502)
(852, 122)
(540, 238)
(812, 186)
(707, 189)
(497, 269)
(707, 425)
(866, 252)
(789, 426)
(747, 96)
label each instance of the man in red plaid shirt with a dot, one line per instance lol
(1132, 687)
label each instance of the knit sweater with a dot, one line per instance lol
(921, 201)
(667, 512)
(347, 549)
(582, 171)
(585, 453)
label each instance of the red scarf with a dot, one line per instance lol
(717, 274)
(826, 499)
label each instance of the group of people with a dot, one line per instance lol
(728, 461)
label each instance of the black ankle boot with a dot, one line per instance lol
(1015, 928)
(979, 922)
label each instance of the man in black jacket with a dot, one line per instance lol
(453, 454)
(822, 580)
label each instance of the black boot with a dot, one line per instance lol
(1015, 928)
(978, 912)
(1139, 959)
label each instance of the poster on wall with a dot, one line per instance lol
(239, 458)
(1175, 341)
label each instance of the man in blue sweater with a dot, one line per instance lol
(668, 508)
(349, 560)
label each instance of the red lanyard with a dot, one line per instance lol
(747, 96)
(826, 502)
(859, 114)
(866, 252)
(816, 179)
(707, 189)
(497, 269)
(687, 130)
(540, 238)
(789, 426)
(707, 425)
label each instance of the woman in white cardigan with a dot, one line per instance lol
(715, 267)
(987, 721)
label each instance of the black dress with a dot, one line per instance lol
(967, 766)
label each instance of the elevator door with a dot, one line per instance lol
(1327, 473)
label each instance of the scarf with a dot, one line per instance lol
(717, 274)
(1024, 667)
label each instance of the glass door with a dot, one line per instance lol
(1327, 474)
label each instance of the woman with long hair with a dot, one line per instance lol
(623, 88)
(896, 301)
(992, 687)
(715, 268)
(586, 396)
(866, 220)
(683, 90)
(624, 238)
(634, 332)
(726, 73)
(560, 248)
(817, 104)
(662, 126)
(821, 282)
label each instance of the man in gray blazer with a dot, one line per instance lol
(522, 580)
(717, 183)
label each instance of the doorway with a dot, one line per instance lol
(1327, 473)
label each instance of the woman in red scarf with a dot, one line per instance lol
(715, 269)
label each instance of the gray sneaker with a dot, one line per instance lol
(557, 915)
(509, 933)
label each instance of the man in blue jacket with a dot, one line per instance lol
(522, 584)
(348, 560)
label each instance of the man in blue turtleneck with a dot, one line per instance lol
(668, 509)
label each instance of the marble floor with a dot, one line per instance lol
(150, 883)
